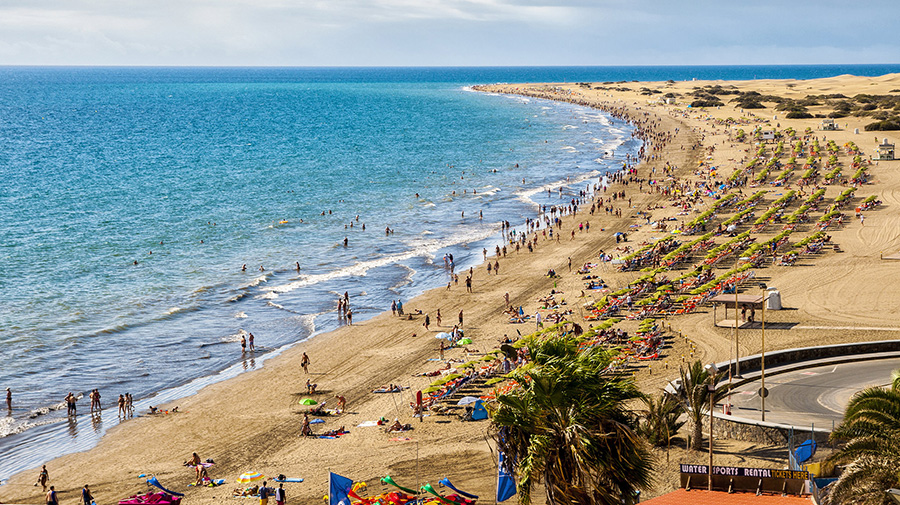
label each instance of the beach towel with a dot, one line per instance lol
(367, 424)
(289, 480)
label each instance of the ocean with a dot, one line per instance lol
(132, 197)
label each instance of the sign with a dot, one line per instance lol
(736, 471)
(764, 392)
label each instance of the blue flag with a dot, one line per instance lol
(506, 484)
(338, 487)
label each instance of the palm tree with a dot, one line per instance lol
(568, 427)
(694, 398)
(661, 419)
(871, 427)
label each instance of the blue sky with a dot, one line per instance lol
(446, 32)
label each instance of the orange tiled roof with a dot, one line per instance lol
(704, 497)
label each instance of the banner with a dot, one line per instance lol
(506, 483)
(736, 471)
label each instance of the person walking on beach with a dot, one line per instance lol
(86, 497)
(399, 307)
(243, 344)
(460, 318)
(52, 499)
(121, 405)
(350, 317)
(252, 346)
(496, 268)
(469, 284)
(43, 478)
(427, 322)
(393, 307)
(437, 317)
(342, 403)
(263, 494)
(304, 362)
(279, 495)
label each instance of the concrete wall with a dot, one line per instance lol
(753, 363)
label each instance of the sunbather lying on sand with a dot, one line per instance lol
(399, 427)
(247, 491)
(334, 433)
(389, 389)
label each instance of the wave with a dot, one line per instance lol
(525, 195)
(12, 426)
(256, 281)
(240, 315)
(421, 247)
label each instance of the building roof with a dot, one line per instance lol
(704, 497)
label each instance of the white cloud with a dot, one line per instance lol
(443, 32)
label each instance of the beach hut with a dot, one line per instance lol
(884, 151)
(828, 124)
(768, 135)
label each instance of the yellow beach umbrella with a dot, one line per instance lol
(249, 477)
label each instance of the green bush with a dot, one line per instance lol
(886, 125)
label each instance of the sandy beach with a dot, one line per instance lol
(252, 422)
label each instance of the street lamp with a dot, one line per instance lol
(737, 347)
(762, 391)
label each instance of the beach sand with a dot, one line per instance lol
(252, 422)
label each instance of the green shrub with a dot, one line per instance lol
(886, 125)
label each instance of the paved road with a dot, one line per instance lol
(813, 395)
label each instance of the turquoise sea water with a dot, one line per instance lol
(190, 173)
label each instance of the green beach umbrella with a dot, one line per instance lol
(308, 401)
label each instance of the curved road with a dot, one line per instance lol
(812, 395)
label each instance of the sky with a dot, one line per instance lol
(447, 32)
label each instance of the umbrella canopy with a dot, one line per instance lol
(443, 334)
(308, 401)
(465, 341)
(249, 477)
(465, 400)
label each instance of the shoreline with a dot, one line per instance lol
(285, 353)
(172, 393)
(259, 433)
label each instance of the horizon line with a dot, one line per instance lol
(3, 65)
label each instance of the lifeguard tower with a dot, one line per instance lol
(884, 151)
